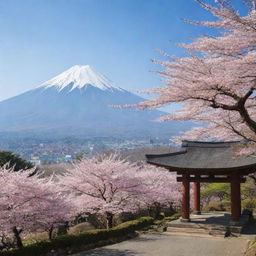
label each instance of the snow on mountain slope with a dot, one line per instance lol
(79, 77)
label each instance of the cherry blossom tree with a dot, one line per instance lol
(161, 186)
(215, 83)
(29, 204)
(57, 210)
(110, 185)
(105, 185)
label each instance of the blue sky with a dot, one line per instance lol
(41, 38)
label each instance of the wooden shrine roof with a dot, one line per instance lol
(205, 157)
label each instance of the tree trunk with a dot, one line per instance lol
(157, 211)
(50, 233)
(16, 233)
(109, 220)
(171, 209)
(63, 229)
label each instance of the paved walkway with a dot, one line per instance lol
(221, 218)
(171, 245)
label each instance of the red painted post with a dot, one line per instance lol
(235, 199)
(185, 197)
(197, 209)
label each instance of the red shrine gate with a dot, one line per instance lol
(233, 179)
(203, 162)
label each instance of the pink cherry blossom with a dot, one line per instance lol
(215, 83)
(30, 203)
(111, 185)
(105, 185)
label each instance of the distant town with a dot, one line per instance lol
(49, 151)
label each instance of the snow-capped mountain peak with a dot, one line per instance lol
(77, 103)
(79, 77)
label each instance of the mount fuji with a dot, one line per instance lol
(76, 102)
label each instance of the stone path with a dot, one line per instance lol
(164, 244)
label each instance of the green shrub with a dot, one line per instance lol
(226, 204)
(249, 203)
(173, 217)
(80, 228)
(213, 190)
(78, 242)
(214, 206)
(223, 205)
(35, 238)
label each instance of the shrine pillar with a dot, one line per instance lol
(185, 198)
(197, 209)
(235, 198)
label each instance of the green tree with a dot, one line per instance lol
(248, 189)
(14, 161)
(222, 190)
(216, 190)
(79, 156)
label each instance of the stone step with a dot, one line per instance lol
(221, 233)
(188, 230)
(174, 233)
(197, 231)
(235, 230)
(195, 225)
